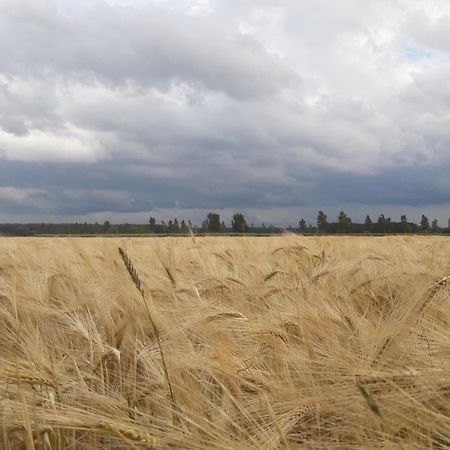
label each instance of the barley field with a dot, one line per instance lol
(283, 342)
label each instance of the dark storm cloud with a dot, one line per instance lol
(79, 190)
(131, 107)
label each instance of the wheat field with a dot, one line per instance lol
(283, 342)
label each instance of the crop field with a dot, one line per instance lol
(246, 343)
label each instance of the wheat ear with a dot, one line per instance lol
(127, 433)
(140, 287)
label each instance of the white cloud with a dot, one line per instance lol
(18, 195)
(39, 146)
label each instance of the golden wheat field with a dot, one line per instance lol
(284, 342)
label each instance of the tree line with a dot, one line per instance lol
(213, 223)
(382, 225)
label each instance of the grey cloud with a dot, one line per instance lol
(27, 102)
(79, 190)
(149, 47)
(432, 34)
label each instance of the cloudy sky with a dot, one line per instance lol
(121, 109)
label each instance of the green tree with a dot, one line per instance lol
(388, 225)
(424, 223)
(302, 226)
(322, 222)
(384, 224)
(368, 224)
(152, 223)
(405, 227)
(434, 225)
(344, 222)
(212, 223)
(238, 223)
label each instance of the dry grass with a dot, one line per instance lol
(229, 343)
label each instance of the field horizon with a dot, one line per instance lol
(225, 342)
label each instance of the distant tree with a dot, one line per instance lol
(424, 223)
(368, 224)
(322, 222)
(384, 224)
(434, 225)
(176, 225)
(212, 223)
(152, 223)
(388, 225)
(344, 222)
(405, 226)
(302, 225)
(238, 223)
(106, 226)
(184, 227)
(223, 227)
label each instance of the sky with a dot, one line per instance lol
(125, 109)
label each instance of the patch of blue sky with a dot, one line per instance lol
(420, 54)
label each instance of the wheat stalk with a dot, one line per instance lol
(140, 287)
